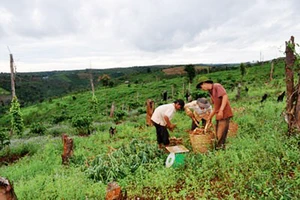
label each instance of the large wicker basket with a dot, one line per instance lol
(202, 143)
(233, 128)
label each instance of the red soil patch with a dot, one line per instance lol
(180, 70)
(8, 159)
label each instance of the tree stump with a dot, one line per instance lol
(6, 190)
(114, 192)
(68, 149)
(150, 110)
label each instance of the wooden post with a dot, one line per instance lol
(12, 76)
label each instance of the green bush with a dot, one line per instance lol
(37, 128)
(16, 117)
(4, 139)
(82, 124)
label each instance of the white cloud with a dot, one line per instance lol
(46, 35)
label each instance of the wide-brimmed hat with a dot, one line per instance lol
(204, 81)
(203, 103)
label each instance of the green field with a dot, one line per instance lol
(260, 162)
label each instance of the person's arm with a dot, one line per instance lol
(169, 125)
(223, 104)
(188, 110)
(211, 115)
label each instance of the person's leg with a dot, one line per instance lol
(203, 122)
(193, 125)
(221, 131)
(159, 134)
(165, 136)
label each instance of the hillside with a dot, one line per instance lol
(260, 162)
(39, 86)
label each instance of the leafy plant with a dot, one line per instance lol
(82, 124)
(124, 161)
(38, 128)
(4, 139)
(16, 117)
(119, 115)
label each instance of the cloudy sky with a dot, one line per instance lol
(47, 35)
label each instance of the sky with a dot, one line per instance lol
(48, 35)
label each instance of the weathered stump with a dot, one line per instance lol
(68, 149)
(114, 192)
(6, 190)
(150, 110)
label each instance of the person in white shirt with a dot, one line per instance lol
(161, 119)
(198, 110)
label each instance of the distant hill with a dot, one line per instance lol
(38, 86)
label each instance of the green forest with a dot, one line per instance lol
(260, 162)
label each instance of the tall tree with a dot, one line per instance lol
(243, 70)
(191, 72)
(105, 79)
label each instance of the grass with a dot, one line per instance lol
(261, 162)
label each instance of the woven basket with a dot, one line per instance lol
(202, 143)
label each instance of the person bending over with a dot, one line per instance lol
(161, 119)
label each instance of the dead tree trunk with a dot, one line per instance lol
(68, 149)
(272, 70)
(6, 190)
(112, 110)
(238, 94)
(291, 91)
(92, 84)
(150, 110)
(12, 76)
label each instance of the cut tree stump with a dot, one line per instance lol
(150, 110)
(114, 192)
(6, 190)
(68, 149)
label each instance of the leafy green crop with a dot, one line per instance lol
(124, 161)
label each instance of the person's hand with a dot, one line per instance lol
(171, 127)
(219, 115)
(207, 125)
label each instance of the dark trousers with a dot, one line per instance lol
(162, 134)
(203, 121)
(222, 128)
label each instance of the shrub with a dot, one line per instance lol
(16, 117)
(4, 139)
(82, 124)
(118, 115)
(37, 128)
